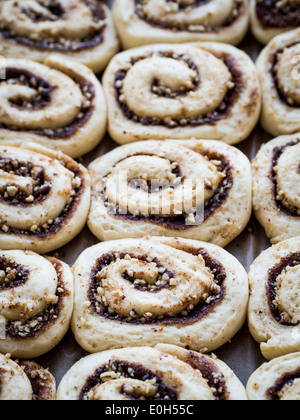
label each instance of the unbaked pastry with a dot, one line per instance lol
(142, 22)
(270, 18)
(274, 308)
(278, 68)
(158, 290)
(25, 381)
(182, 91)
(59, 104)
(36, 303)
(276, 193)
(278, 380)
(78, 29)
(44, 198)
(217, 210)
(163, 373)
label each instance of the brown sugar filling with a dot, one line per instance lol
(273, 15)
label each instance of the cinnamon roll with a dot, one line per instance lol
(78, 29)
(158, 290)
(59, 104)
(165, 373)
(278, 67)
(164, 91)
(274, 308)
(143, 22)
(278, 380)
(270, 18)
(36, 303)
(25, 381)
(276, 194)
(44, 198)
(192, 189)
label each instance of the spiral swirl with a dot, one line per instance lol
(59, 104)
(52, 188)
(25, 381)
(158, 290)
(164, 373)
(143, 22)
(278, 380)
(274, 309)
(36, 303)
(80, 29)
(272, 17)
(276, 194)
(184, 91)
(278, 68)
(194, 189)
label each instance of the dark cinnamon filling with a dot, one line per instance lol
(26, 78)
(179, 222)
(186, 317)
(11, 274)
(43, 98)
(271, 16)
(32, 328)
(40, 379)
(288, 379)
(54, 7)
(52, 228)
(159, 285)
(237, 11)
(292, 260)
(76, 46)
(220, 113)
(277, 153)
(15, 195)
(132, 371)
(210, 373)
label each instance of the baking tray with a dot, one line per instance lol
(242, 354)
